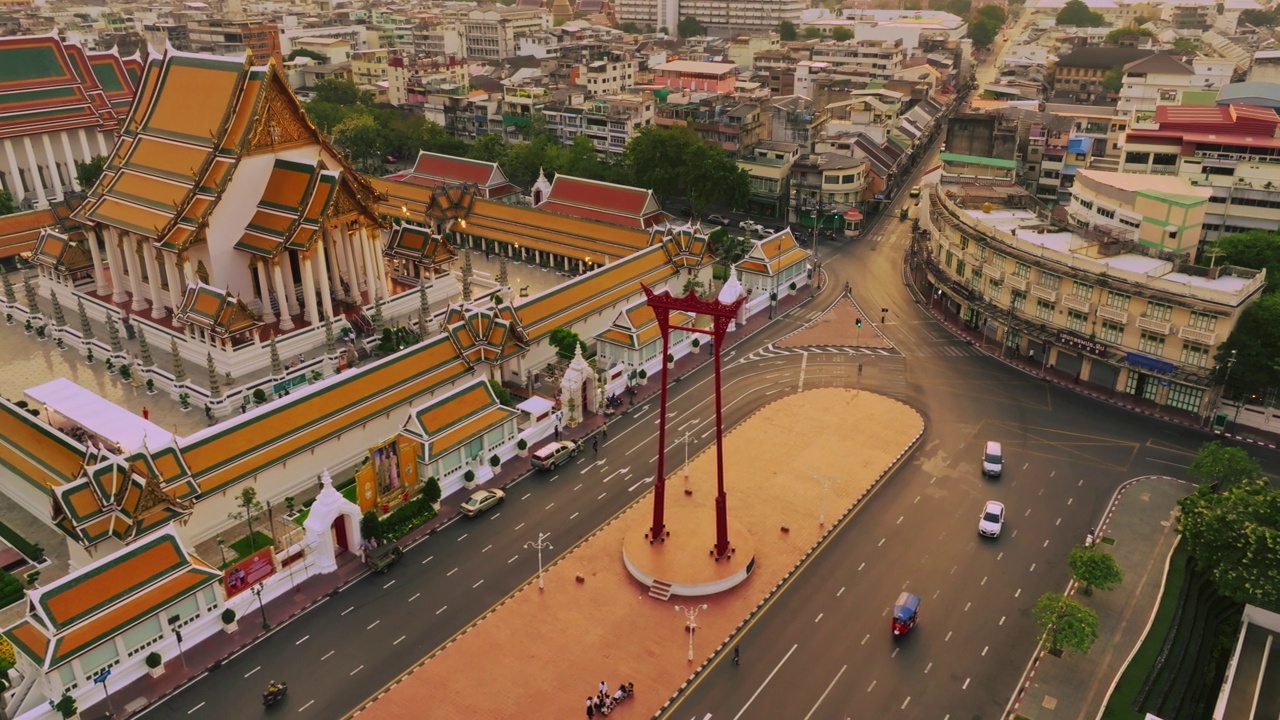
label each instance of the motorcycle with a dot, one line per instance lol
(275, 692)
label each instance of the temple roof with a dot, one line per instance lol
(217, 311)
(64, 254)
(447, 422)
(687, 244)
(47, 85)
(34, 451)
(771, 255)
(436, 169)
(604, 202)
(491, 335)
(20, 231)
(294, 202)
(637, 326)
(419, 245)
(74, 614)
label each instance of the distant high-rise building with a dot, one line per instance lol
(720, 18)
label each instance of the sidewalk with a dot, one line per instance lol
(212, 652)
(1076, 687)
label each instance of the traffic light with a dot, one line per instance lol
(858, 322)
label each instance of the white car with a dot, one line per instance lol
(992, 520)
(749, 225)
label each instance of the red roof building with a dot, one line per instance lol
(603, 202)
(435, 169)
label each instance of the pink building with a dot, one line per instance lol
(697, 76)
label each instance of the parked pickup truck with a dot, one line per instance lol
(555, 454)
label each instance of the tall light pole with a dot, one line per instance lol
(540, 545)
(257, 592)
(177, 634)
(691, 622)
(687, 435)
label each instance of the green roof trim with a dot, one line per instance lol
(1174, 198)
(39, 62)
(976, 160)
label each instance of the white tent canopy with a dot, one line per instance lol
(99, 415)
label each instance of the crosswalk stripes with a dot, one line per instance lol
(771, 351)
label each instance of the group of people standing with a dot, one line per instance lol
(603, 703)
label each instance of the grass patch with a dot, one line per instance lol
(1120, 704)
(348, 492)
(29, 550)
(242, 547)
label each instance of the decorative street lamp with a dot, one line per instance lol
(257, 592)
(222, 547)
(687, 436)
(177, 634)
(691, 622)
(541, 544)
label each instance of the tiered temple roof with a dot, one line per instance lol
(771, 255)
(603, 202)
(435, 170)
(449, 421)
(48, 85)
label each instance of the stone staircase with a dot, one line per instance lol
(660, 590)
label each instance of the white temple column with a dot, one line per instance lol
(53, 167)
(102, 144)
(370, 271)
(264, 285)
(329, 254)
(176, 288)
(15, 187)
(99, 272)
(71, 162)
(325, 261)
(130, 250)
(309, 291)
(353, 270)
(286, 322)
(376, 267)
(118, 294)
(153, 277)
(34, 171)
(84, 145)
(290, 284)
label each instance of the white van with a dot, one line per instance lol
(554, 454)
(992, 460)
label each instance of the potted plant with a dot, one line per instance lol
(229, 621)
(155, 664)
(696, 343)
(151, 386)
(495, 462)
(260, 396)
(469, 479)
(316, 376)
(431, 493)
(643, 375)
(40, 333)
(184, 398)
(671, 360)
(126, 373)
(792, 286)
(522, 447)
(8, 318)
(66, 706)
(27, 326)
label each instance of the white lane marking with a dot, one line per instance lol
(495, 516)
(326, 655)
(638, 484)
(985, 649)
(966, 606)
(1001, 555)
(1033, 567)
(881, 542)
(526, 496)
(397, 642)
(304, 639)
(948, 637)
(253, 671)
(1070, 500)
(602, 495)
(551, 506)
(862, 566)
(309, 704)
(424, 562)
(486, 548)
(520, 526)
(464, 537)
(353, 607)
(1046, 543)
(473, 587)
(900, 519)
(513, 559)
(819, 617)
(865, 639)
(871, 686)
(393, 582)
(375, 622)
(766, 682)
(1019, 592)
(966, 684)
(442, 609)
(926, 668)
(823, 696)
(574, 515)
(451, 572)
(415, 597)
(1002, 617)
(195, 708)
(353, 672)
(841, 592)
(904, 702)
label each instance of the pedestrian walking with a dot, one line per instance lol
(595, 445)
(557, 433)
(591, 708)
(604, 688)
(604, 430)
(736, 655)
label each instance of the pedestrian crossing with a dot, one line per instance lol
(772, 351)
(949, 351)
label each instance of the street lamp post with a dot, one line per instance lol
(257, 592)
(177, 634)
(691, 622)
(222, 547)
(540, 545)
(687, 436)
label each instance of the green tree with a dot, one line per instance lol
(1235, 536)
(1223, 466)
(360, 135)
(1260, 18)
(787, 31)
(489, 147)
(1094, 568)
(65, 706)
(1066, 624)
(690, 27)
(87, 173)
(501, 393)
(1252, 348)
(841, 34)
(1186, 44)
(580, 160)
(436, 139)
(727, 248)
(1113, 81)
(342, 92)
(630, 28)
(983, 32)
(994, 13)
(307, 53)
(812, 33)
(714, 178)
(431, 490)
(668, 160)
(8, 205)
(1255, 249)
(525, 159)
(1126, 34)
(249, 506)
(1077, 14)
(565, 341)
(371, 526)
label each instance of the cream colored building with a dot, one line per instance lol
(492, 34)
(1104, 302)
(370, 72)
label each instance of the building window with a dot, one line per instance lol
(1117, 301)
(1159, 311)
(1151, 344)
(1050, 281)
(960, 269)
(1086, 204)
(1081, 290)
(995, 289)
(1021, 270)
(1017, 300)
(964, 243)
(999, 261)
(143, 635)
(1108, 214)
(1077, 321)
(1192, 354)
(975, 278)
(1185, 397)
(1203, 322)
(1044, 310)
(1111, 333)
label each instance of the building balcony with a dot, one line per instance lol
(1044, 293)
(1017, 283)
(994, 272)
(1199, 336)
(1157, 326)
(1077, 304)
(1113, 315)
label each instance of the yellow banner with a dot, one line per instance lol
(367, 487)
(409, 461)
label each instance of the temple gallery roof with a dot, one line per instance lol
(47, 85)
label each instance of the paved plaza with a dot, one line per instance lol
(544, 651)
(838, 327)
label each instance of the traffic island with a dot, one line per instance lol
(802, 462)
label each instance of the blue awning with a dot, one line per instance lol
(1080, 144)
(1069, 169)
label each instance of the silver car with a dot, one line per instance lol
(992, 520)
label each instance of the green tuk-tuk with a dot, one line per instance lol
(380, 559)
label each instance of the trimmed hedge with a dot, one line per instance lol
(406, 518)
(30, 550)
(11, 590)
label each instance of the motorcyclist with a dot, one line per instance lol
(273, 689)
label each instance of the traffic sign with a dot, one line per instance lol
(102, 676)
